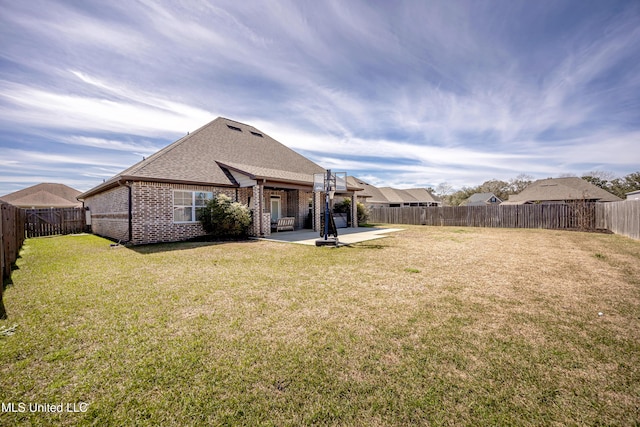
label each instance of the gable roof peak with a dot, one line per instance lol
(197, 158)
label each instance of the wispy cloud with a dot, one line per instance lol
(54, 110)
(413, 93)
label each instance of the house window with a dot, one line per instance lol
(188, 204)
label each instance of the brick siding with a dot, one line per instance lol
(110, 213)
(152, 211)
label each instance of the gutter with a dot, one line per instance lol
(116, 182)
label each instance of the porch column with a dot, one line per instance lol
(255, 208)
(354, 210)
(318, 208)
(261, 224)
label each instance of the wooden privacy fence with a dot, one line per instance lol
(49, 222)
(556, 216)
(12, 221)
(620, 217)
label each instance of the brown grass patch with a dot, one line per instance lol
(444, 326)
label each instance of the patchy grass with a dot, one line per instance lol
(492, 327)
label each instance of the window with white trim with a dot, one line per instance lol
(187, 204)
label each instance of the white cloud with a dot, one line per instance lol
(111, 144)
(45, 109)
(410, 93)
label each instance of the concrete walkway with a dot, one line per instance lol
(346, 236)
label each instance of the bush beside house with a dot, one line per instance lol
(224, 218)
(345, 207)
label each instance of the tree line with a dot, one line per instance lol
(503, 189)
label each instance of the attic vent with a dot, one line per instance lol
(234, 128)
(256, 134)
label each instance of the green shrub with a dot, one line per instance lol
(345, 207)
(223, 217)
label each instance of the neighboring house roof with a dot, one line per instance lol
(481, 199)
(206, 156)
(561, 189)
(396, 196)
(421, 195)
(45, 195)
(386, 195)
(633, 195)
(372, 193)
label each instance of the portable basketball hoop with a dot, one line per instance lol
(329, 183)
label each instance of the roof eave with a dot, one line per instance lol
(128, 178)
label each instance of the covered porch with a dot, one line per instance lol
(275, 194)
(299, 203)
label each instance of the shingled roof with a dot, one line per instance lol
(421, 195)
(370, 192)
(384, 195)
(480, 199)
(204, 156)
(45, 195)
(561, 189)
(394, 195)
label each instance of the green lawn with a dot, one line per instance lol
(442, 326)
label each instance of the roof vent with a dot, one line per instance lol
(256, 134)
(234, 128)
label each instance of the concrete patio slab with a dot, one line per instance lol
(346, 236)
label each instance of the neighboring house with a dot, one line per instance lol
(369, 195)
(561, 190)
(422, 197)
(482, 199)
(408, 197)
(395, 198)
(158, 199)
(45, 195)
(634, 195)
(376, 197)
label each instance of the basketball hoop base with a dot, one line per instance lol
(328, 242)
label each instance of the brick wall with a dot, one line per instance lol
(110, 213)
(303, 207)
(294, 203)
(153, 211)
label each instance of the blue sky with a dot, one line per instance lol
(404, 94)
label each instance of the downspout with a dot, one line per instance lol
(130, 213)
(262, 207)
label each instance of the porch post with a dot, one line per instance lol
(256, 226)
(317, 209)
(354, 210)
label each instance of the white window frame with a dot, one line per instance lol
(193, 206)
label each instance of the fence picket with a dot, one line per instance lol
(11, 239)
(49, 222)
(619, 217)
(557, 216)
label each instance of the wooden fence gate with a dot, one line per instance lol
(49, 222)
